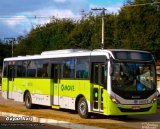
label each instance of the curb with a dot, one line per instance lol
(51, 121)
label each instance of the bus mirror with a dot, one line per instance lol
(111, 70)
(158, 94)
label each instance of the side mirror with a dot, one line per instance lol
(158, 94)
(111, 70)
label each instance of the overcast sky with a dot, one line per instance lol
(17, 16)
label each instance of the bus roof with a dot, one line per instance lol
(58, 54)
(71, 53)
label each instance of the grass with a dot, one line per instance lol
(78, 120)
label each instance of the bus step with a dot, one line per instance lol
(56, 106)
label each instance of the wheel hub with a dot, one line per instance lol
(82, 108)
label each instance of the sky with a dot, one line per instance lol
(18, 17)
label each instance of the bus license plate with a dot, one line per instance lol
(136, 107)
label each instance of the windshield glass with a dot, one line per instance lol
(133, 77)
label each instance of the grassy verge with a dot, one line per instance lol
(78, 120)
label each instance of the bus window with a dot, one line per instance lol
(31, 70)
(56, 72)
(42, 68)
(82, 68)
(69, 68)
(103, 75)
(96, 69)
(11, 72)
(99, 75)
(21, 68)
(31, 73)
(5, 69)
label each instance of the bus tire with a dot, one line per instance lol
(28, 101)
(83, 108)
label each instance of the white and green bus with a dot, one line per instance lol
(109, 82)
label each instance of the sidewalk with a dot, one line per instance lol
(50, 121)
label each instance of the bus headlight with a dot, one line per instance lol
(114, 100)
(154, 99)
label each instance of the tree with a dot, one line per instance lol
(136, 26)
(5, 51)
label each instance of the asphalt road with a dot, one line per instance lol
(137, 121)
(4, 124)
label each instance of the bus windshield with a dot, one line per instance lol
(133, 77)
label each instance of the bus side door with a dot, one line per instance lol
(55, 74)
(98, 82)
(11, 75)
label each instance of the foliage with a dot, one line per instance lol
(5, 51)
(134, 27)
(138, 26)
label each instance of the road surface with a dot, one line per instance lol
(137, 121)
(25, 125)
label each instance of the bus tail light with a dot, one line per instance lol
(114, 100)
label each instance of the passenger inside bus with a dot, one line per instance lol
(139, 84)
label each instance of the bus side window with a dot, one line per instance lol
(31, 72)
(96, 71)
(104, 74)
(82, 68)
(5, 69)
(55, 72)
(52, 71)
(11, 72)
(21, 68)
(31, 69)
(69, 68)
(42, 68)
(99, 74)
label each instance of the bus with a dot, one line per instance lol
(109, 81)
(158, 81)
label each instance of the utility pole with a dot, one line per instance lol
(12, 41)
(103, 13)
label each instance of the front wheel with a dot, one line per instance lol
(28, 101)
(83, 108)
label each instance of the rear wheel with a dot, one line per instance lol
(83, 108)
(28, 101)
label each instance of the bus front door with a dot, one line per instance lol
(56, 80)
(11, 75)
(98, 78)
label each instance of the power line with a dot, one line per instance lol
(51, 17)
(134, 5)
(3, 17)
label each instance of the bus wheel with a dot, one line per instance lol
(83, 108)
(28, 101)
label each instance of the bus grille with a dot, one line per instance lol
(132, 110)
